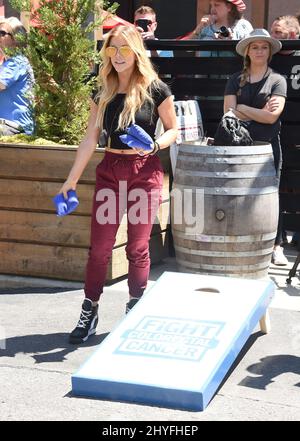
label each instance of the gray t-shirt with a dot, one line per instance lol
(256, 95)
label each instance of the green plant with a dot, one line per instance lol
(61, 51)
(21, 138)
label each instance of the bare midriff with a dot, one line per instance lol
(124, 152)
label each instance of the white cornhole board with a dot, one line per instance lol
(176, 345)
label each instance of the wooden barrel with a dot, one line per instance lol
(235, 203)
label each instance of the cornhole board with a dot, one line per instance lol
(176, 345)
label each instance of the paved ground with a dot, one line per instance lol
(37, 363)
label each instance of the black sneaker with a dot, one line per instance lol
(87, 323)
(130, 305)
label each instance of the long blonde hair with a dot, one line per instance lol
(142, 81)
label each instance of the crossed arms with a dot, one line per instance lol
(269, 114)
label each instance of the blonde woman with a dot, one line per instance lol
(257, 96)
(16, 81)
(130, 92)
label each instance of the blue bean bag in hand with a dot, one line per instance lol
(137, 137)
(66, 206)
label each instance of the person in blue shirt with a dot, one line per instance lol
(224, 21)
(16, 81)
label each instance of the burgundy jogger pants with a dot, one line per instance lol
(130, 184)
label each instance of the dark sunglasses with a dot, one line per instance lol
(143, 21)
(3, 33)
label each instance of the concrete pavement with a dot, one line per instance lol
(37, 362)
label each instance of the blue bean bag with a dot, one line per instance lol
(137, 137)
(66, 206)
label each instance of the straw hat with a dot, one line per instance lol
(240, 5)
(258, 35)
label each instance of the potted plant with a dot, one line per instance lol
(33, 241)
(62, 52)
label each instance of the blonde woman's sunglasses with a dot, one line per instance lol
(124, 51)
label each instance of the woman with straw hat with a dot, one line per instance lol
(257, 96)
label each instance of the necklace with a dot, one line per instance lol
(107, 131)
(254, 93)
(261, 77)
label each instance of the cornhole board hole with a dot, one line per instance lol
(176, 345)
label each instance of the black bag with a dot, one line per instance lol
(232, 131)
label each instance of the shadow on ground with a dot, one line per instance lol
(290, 290)
(48, 348)
(269, 368)
(248, 345)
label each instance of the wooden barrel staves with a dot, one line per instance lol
(224, 209)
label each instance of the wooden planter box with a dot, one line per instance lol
(33, 240)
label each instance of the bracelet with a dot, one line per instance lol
(156, 148)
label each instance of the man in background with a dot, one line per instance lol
(286, 27)
(145, 21)
(146, 24)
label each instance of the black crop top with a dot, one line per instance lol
(146, 117)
